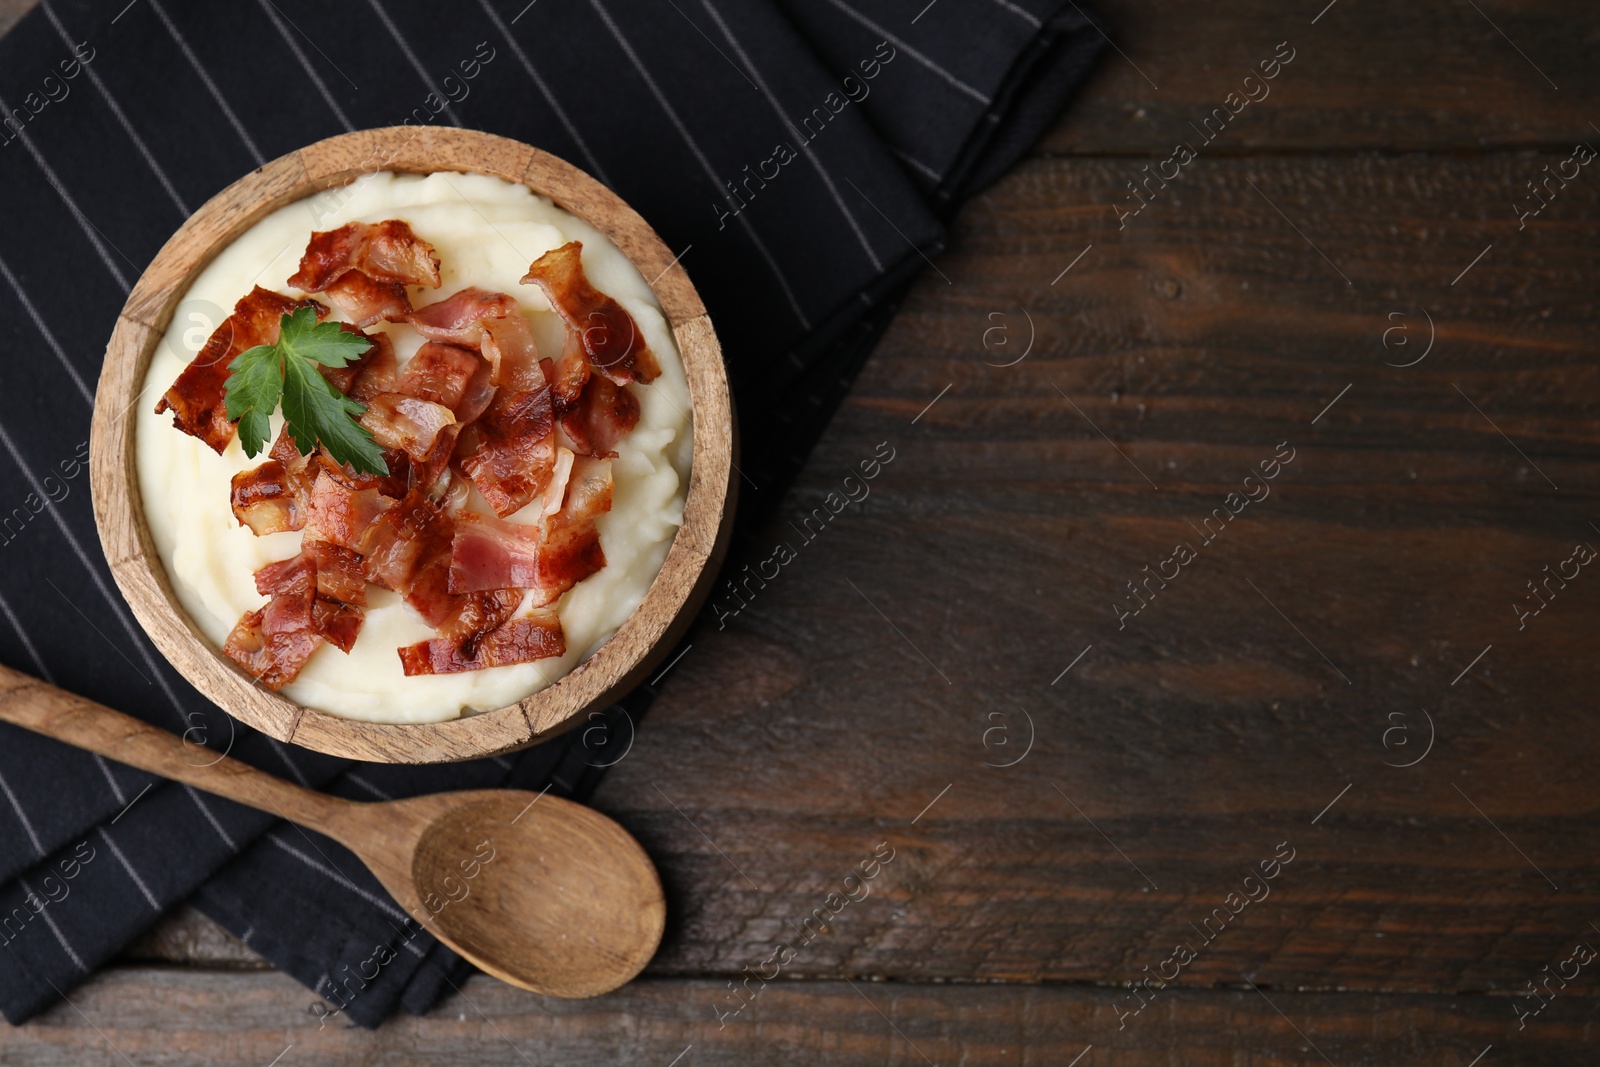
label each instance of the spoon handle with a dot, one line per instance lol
(38, 706)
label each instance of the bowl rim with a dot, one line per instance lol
(643, 639)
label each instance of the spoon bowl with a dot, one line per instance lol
(534, 889)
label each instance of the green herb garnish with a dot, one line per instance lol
(314, 410)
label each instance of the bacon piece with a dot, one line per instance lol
(604, 414)
(477, 614)
(456, 319)
(343, 515)
(522, 640)
(439, 373)
(339, 574)
(301, 605)
(274, 642)
(571, 549)
(490, 553)
(196, 398)
(509, 452)
(247, 646)
(431, 474)
(403, 541)
(392, 485)
(556, 492)
(611, 340)
(385, 251)
(366, 300)
(569, 374)
(379, 370)
(265, 499)
(509, 347)
(284, 451)
(477, 394)
(403, 422)
(589, 493)
(337, 622)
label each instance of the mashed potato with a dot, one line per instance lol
(486, 232)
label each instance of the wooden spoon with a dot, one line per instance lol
(536, 890)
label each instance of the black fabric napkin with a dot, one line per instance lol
(800, 155)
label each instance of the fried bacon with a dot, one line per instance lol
(338, 623)
(366, 300)
(379, 370)
(604, 414)
(339, 574)
(570, 373)
(475, 407)
(265, 499)
(196, 398)
(510, 451)
(402, 541)
(523, 640)
(274, 642)
(403, 422)
(456, 319)
(556, 492)
(384, 251)
(589, 493)
(611, 339)
(508, 346)
(343, 515)
(489, 553)
(477, 614)
(439, 373)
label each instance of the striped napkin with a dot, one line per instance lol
(799, 155)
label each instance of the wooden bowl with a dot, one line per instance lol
(622, 662)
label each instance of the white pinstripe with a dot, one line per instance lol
(44, 331)
(544, 89)
(116, 607)
(44, 913)
(1027, 16)
(377, 902)
(133, 874)
(44, 672)
(283, 754)
(705, 164)
(211, 86)
(305, 64)
(211, 818)
(411, 57)
(918, 165)
(27, 642)
(22, 817)
(805, 145)
(90, 230)
(912, 52)
(368, 786)
(116, 109)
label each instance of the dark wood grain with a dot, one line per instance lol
(1436, 75)
(1211, 728)
(247, 1019)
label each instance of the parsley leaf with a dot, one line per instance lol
(251, 392)
(315, 411)
(328, 343)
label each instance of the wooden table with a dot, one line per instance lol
(1339, 673)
